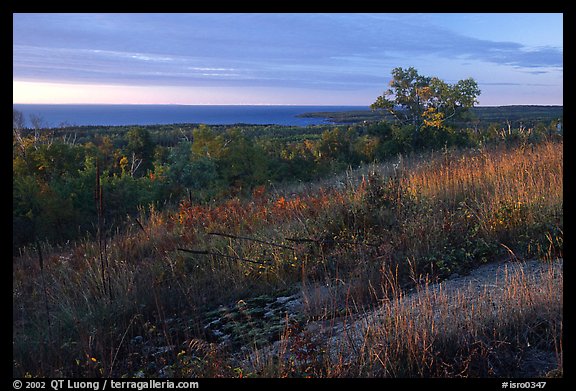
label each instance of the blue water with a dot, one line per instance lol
(110, 115)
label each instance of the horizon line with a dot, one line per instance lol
(256, 104)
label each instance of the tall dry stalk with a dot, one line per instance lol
(44, 288)
(99, 201)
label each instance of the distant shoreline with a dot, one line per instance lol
(59, 116)
(486, 113)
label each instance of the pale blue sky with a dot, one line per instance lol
(301, 59)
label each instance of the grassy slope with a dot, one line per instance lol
(438, 215)
(502, 320)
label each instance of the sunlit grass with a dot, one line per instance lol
(441, 214)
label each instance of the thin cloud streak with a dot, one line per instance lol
(342, 52)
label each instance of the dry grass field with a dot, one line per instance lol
(369, 257)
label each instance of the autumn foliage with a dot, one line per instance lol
(236, 215)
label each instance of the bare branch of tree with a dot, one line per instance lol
(205, 252)
(250, 239)
(322, 241)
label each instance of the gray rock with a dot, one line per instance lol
(213, 324)
(163, 350)
(294, 306)
(139, 374)
(283, 299)
(269, 314)
(166, 372)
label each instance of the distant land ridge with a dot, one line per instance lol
(482, 113)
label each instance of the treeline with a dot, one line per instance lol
(479, 116)
(55, 170)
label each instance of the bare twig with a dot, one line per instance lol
(205, 252)
(512, 255)
(250, 239)
(120, 345)
(99, 201)
(141, 226)
(322, 241)
(47, 307)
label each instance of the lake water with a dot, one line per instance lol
(109, 115)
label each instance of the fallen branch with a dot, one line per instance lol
(205, 252)
(250, 239)
(322, 241)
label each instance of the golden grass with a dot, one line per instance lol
(504, 322)
(446, 210)
(472, 331)
(523, 179)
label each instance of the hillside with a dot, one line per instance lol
(206, 288)
(438, 314)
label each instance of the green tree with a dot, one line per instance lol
(425, 101)
(206, 143)
(366, 148)
(335, 144)
(140, 150)
(243, 163)
(190, 174)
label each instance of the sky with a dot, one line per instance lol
(280, 59)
